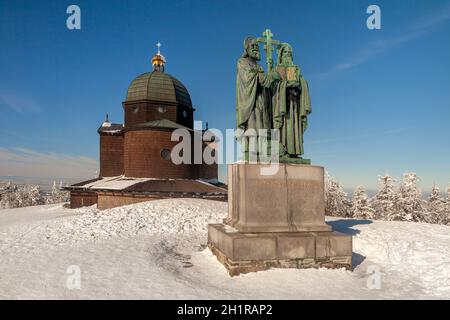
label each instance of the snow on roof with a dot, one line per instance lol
(111, 128)
(111, 183)
(143, 185)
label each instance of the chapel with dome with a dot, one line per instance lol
(135, 157)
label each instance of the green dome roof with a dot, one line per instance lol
(158, 86)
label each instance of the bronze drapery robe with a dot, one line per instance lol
(253, 103)
(291, 106)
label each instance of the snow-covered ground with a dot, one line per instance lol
(156, 250)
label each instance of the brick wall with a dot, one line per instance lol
(134, 112)
(112, 200)
(142, 156)
(185, 119)
(80, 199)
(144, 111)
(111, 155)
(208, 171)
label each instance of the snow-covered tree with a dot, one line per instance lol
(360, 204)
(54, 188)
(7, 198)
(21, 196)
(13, 197)
(435, 212)
(435, 195)
(410, 203)
(35, 196)
(53, 196)
(445, 217)
(29, 195)
(336, 202)
(327, 179)
(64, 196)
(385, 201)
(5, 186)
(57, 195)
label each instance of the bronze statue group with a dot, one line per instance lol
(271, 105)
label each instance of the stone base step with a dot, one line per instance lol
(248, 252)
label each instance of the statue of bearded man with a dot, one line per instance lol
(291, 105)
(253, 101)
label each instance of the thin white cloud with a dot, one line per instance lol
(30, 163)
(422, 26)
(18, 103)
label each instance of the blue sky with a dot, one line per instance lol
(381, 98)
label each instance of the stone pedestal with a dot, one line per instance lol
(277, 220)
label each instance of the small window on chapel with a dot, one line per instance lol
(135, 109)
(185, 114)
(162, 109)
(165, 154)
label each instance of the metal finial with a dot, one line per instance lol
(158, 60)
(159, 46)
